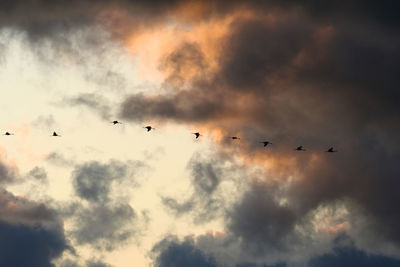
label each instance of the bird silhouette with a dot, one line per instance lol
(8, 133)
(331, 150)
(116, 122)
(235, 138)
(149, 128)
(197, 134)
(300, 148)
(266, 143)
(55, 134)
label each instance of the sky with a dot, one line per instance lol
(294, 73)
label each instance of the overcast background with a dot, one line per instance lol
(292, 73)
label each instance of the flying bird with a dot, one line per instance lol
(235, 138)
(116, 122)
(197, 135)
(300, 148)
(8, 133)
(331, 150)
(149, 128)
(55, 134)
(266, 143)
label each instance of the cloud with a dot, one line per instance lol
(44, 122)
(261, 222)
(91, 101)
(105, 227)
(96, 263)
(7, 174)
(38, 173)
(29, 229)
(207, 200)
(171, 252)
(346, 254)
(59, 159)
(105, 220)
(296, 73)
(93, 181)
(296, 78)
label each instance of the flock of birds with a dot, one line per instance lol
(197, 135)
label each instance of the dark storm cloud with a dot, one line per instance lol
(260, 221)
(32, 234)
(316, 76)
(346, 254)
(29, 246)
(44, 18)
(348, 257)
(305, 82)
(171, 252)
(198, 104)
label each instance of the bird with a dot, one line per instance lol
(55, 134)
(331, 150)
(149, 128)
(235, 138)
(8, 133)
(300, 148)
(266, 143)
(116, 122)
(197, 134)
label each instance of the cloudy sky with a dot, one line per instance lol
(292, 72)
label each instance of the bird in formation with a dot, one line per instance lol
(331, 150)
(266, 143)
(197, 134)
(149, 128)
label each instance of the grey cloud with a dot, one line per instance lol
(32, 234)
(7, 174)
(59, 159)
(346, 254)
(96, 263)
(105, 220)
(205, 175)
(44, 122)
(260, 221)
(171, 252)
(69, 263)
(42, 18)
(92, 181)
(38, 173)
(105, 227)
(301, 81)
(206, 201)
(92, 101)
(178, 208)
